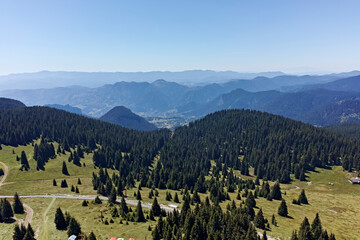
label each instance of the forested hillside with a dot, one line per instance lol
(7, 103)
(22, 126)
(125, 117)
(275, 146)
(348, 129)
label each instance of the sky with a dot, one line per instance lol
(293, 36)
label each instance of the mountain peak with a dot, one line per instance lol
(123, 116)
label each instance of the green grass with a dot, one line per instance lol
(338, 205)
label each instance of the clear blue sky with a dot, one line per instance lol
(243, 35)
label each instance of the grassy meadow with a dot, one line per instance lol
(337, 204)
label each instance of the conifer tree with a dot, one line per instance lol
(305, 231)
(250, 200)
(97, 200)
(316, 228)
(139, 215)
(92, 236)
(282, 211)
(276, 192)
(259, 220)
(112, 196)
(65, 170)
(77, 190)
(294, 235)
(60, 222)
(84, 203)
(18, 234)
(6, 210)
(64, 184)
(54, 182)
(18, 206)
(24, 161)
(79, 181)
(156, 208)
(302, 198)
(73, 228)
(264, 236)
(138, 196)
(123, 207)
(176, 198)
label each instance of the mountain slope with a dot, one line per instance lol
(125, 117)
(350, 84)
(66, 107)
(7, 103)
(319, 107)
(347, 129)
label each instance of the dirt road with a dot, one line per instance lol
(6, 172)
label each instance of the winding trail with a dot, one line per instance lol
(45, 233)
(6, 172)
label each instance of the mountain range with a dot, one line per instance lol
(319, 100)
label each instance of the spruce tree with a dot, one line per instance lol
(79, 181)
(112, 196)
(97, 200)
(24, 161)
(156, 208)
(250, 200)
(123, 207)
(54, 182)
(316, 228)
(282, 211)
(84, 203)
(176, 198)
(65, 170)
(92, 236)
(60, 222)
(294, 235)
(138, 195)
(276, 192)
(18, 206)
(139, 215)
(73, 228)
(6, 210)
(302, 198)
(259, 220)
(305, 231)
(18, 235)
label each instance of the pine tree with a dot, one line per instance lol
(97, 200)
(139, 215)
(84, 203)
(250, 200)
(138, 195)
(302, 198)
(7, 211)
(60, 222)
(282, 211)
(273, 220)
(18, 234)
(123, 207)
(24, 161)
(276, 192)
(18, 206)
(316, 228)
(112, 196)
(74, 228)
(65, 170)
(79, 181)
(176, 198)
(305, 231)
(72, 188)
(264, 236)
(92, 236)
(64, 184)
(294, 235)
(77, 190)
(259, 220)
(156, 208)
(54, 182)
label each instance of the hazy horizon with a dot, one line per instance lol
(253, 36)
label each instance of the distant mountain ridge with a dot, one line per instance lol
(318, 107)
(66, 107)
(123, 116)
(53, 79)
(8, 103)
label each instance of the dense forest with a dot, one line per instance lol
(348, 129)
(274, 146)
(22, 126)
